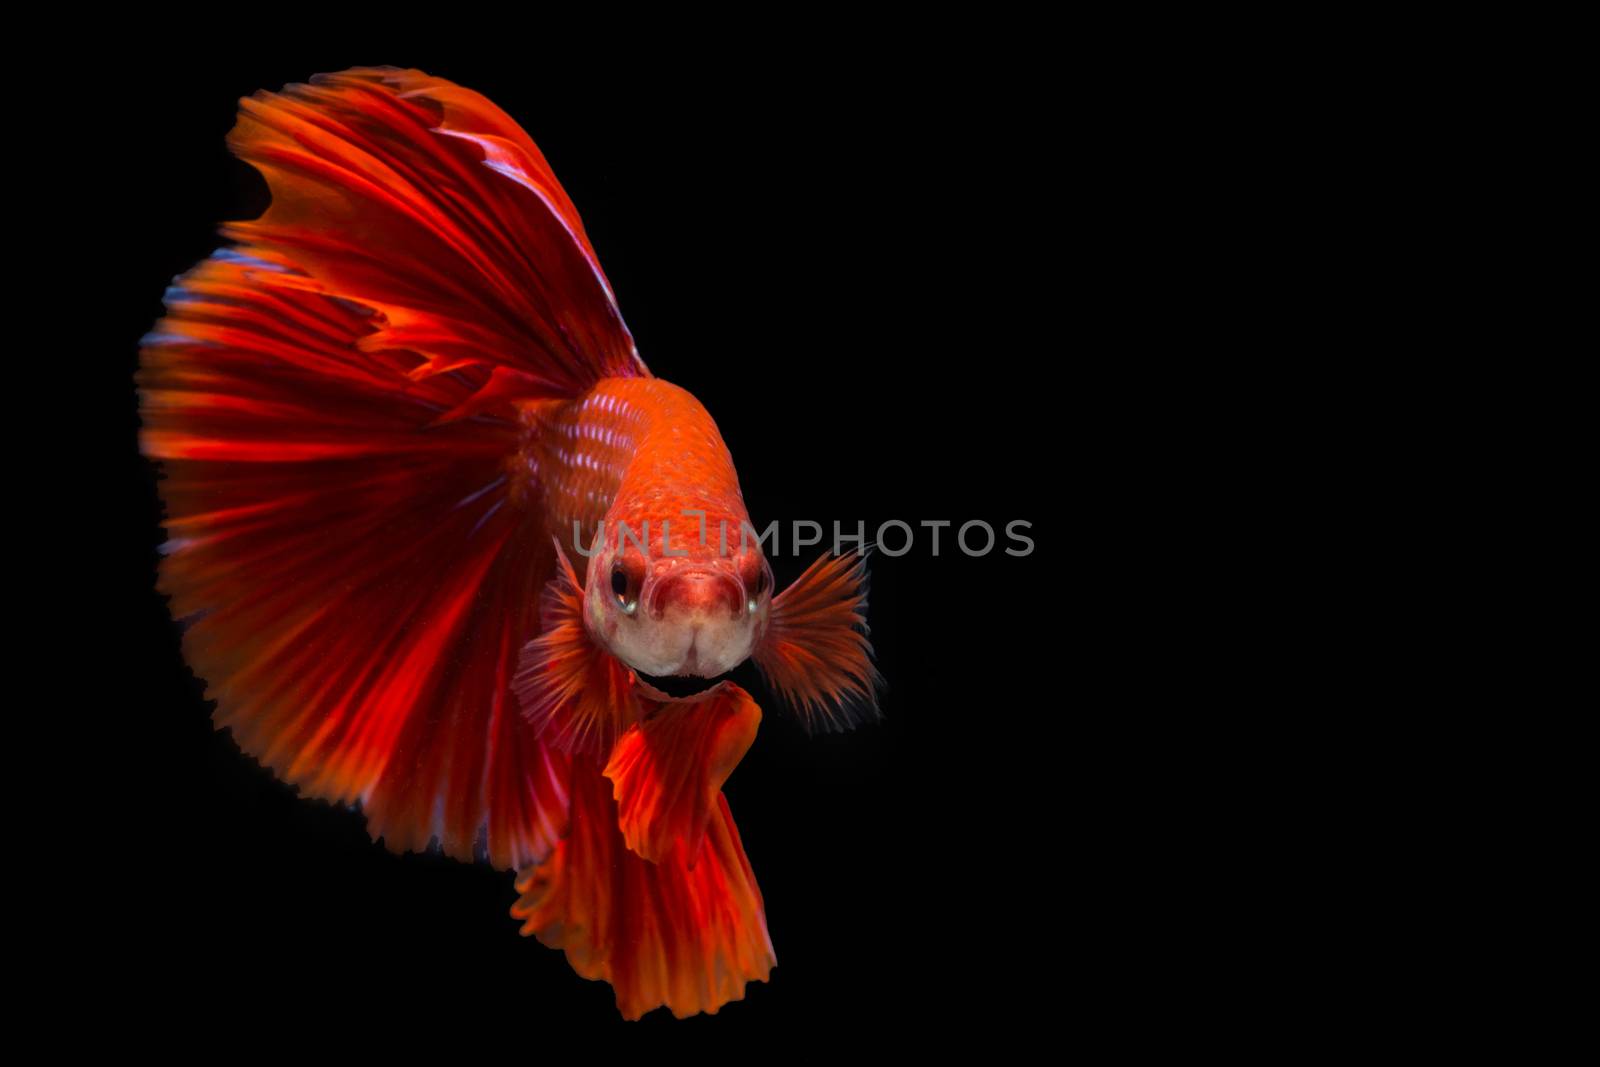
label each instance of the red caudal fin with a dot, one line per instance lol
(349, 550)
(667, 772)
(577, 696)
(663, 934)
(815, 652)
(355, 587)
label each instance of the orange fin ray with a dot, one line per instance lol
(815, 652)
(667, 771)
(578, 696)
(663, 934)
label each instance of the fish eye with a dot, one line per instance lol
(763, 582)
(624, 589)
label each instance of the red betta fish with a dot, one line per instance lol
(390, 417)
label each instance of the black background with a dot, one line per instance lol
(896, 289)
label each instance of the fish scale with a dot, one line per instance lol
(639, 451)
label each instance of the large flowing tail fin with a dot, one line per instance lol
(332, 404)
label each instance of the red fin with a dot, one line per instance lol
(359, 586)
(426, 203)
(815, 651)
(661, 933)
(668, 770)
(578, 696)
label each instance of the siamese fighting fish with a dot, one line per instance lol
(437, 535)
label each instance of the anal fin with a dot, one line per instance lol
(663, 934)
(667, 771)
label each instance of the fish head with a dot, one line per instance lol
(698, 615)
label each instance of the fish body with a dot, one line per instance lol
(640, 464)
(434, 527)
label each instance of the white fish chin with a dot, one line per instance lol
(701, 649)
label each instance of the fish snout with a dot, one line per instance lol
(695, 592)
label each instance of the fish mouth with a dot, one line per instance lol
(679, 686)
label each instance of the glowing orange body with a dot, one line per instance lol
(634, 451)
